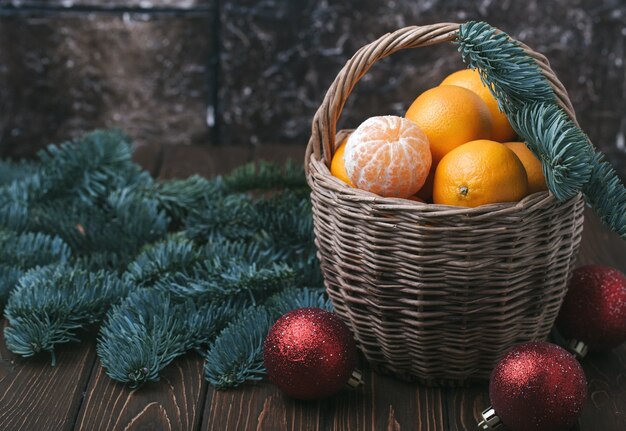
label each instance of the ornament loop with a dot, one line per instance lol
(491, 421)
(578, 348)
(356, 378)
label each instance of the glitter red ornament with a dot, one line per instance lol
(594, 309)
(309, 353)
(537, 386)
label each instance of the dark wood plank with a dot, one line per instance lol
(464, 406)
(37, 396)
(606, 373)
(383, 403)
(173, 403)
(606, 404)
(178, 161)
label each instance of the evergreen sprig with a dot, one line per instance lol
(149, 329)
(20, 252)
(12, 171)
(51, 304)
(510, 74)
(15, 198)
(266, 176)
(607, 195)
(89, 167)
(564, 150)
(293, 298)
(236, 355)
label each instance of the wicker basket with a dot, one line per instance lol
(436, 293)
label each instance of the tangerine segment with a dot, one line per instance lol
(534, 170)
(337, 165)
(450, 116)
(470, 79)
(478, 173)
(389, 156)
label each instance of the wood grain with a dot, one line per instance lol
(383, 403)
(174, 403)
(606, 402)
(37, 396)
(464, 406)
(208, 161)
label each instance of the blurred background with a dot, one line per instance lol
(241, 78)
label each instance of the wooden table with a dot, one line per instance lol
(77, 395)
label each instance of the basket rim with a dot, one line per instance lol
(319, 176)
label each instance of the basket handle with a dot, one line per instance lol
(324, 127)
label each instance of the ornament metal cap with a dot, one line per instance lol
(356, 378)
(577, 347)
(491, 421)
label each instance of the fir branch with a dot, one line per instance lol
(9, 275)
(148, 330)
(164, 259)
(179, 198)
(233, 217)
(266, 176)
(512, 76)
(30, 249)
(564, 150)
(20, 252)
(11, 171)
(208, 319)
(140, 337)
(291, 299)
(50, 304)
(118, 228)
(236, 355)
(15, 199)
(216, 279)
(607, 195)
(89, 167)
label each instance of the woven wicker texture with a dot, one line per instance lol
(431, 292)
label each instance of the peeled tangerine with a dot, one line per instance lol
(389, 156)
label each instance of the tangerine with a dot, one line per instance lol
(450, 116)
(470, 79)
(478, 173)
(534, 170)
(389, 156)
(338, 166)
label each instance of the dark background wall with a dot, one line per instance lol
(251, 73)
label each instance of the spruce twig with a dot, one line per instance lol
(291, 299)
(607, 195)
(266, 176)
(51, 304)
(564, 150)
(511, 75)
(149, 329)
(236, 355)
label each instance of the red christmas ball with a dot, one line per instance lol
(309, 353)
(594, 309)
(538, 387)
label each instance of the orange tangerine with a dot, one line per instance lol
(470, 79)
(389, 156)
(534, 170)
(337, 165)
(450, 116)
(478, 173)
